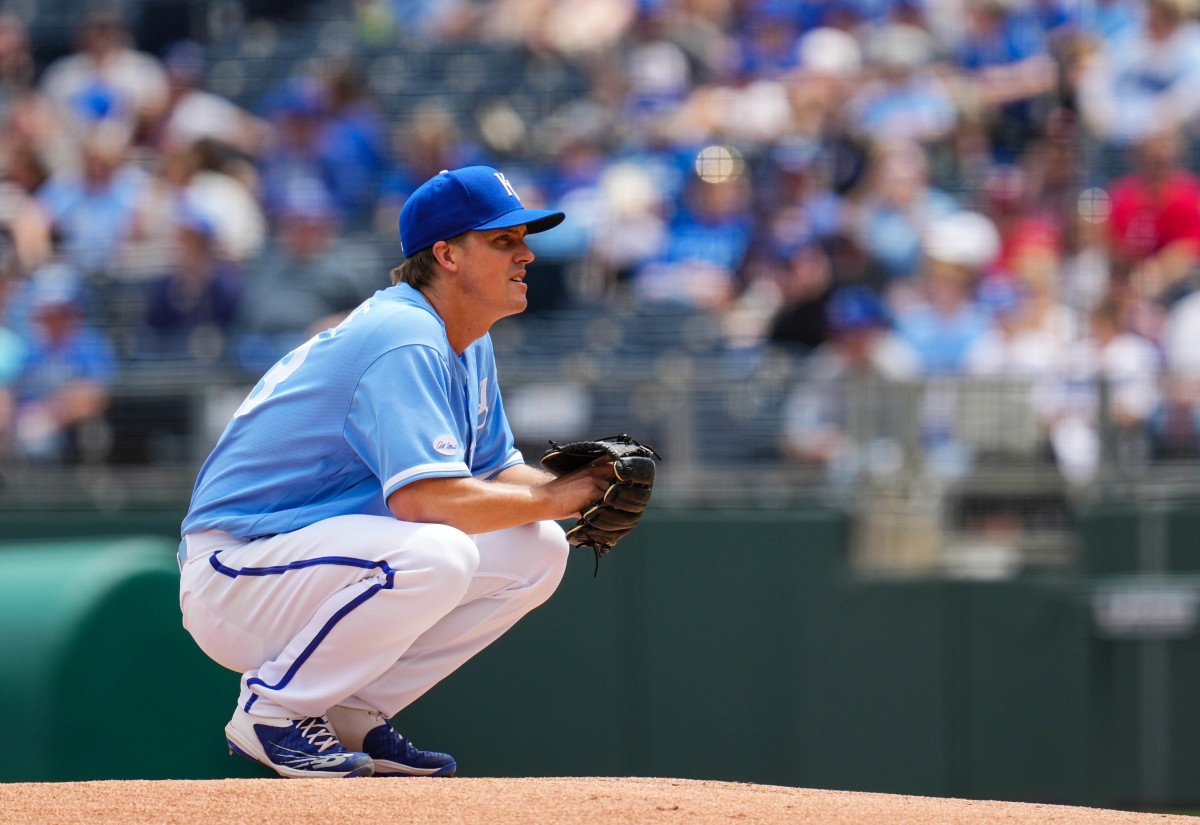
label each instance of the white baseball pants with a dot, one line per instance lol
(360, 611)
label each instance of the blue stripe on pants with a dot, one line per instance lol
(364, 564)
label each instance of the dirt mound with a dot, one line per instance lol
(570, 801)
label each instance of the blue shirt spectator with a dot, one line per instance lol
(946, 319)
(942, 337)
(352, 147)
(12, 356)
(191, 309)
(94, 210)
(66, 374)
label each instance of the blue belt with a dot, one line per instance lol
(182, 554)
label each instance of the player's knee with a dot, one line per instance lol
(548, 552)
(446, 552)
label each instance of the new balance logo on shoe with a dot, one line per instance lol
(298, 759)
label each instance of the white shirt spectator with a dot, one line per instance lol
(1143, 84)
(1181, 341)
(129, 81)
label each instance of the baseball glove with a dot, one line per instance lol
(616, 513)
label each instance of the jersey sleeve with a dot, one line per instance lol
(402, 420)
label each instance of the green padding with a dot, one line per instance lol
(97, 675)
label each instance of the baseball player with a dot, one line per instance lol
(365, 524)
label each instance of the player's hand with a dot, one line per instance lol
(575, 491)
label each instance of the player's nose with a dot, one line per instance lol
(523, 253)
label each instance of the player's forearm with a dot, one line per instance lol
(524, 475)
(475, 506)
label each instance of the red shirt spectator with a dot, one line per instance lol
(1149, 215)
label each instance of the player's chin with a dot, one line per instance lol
(518, 300)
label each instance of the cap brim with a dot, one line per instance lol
(534, 220)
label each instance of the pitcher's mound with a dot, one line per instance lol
(570, 801)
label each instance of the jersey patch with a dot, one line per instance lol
(446, 445)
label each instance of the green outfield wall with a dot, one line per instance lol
(723, 645)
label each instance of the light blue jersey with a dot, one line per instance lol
(351, 416)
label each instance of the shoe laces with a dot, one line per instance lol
(317, 731)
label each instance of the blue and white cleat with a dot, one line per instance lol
(396, 755)
(301, 748)
(393, 754)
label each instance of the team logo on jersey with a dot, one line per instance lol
(481, 411)
(446, 445)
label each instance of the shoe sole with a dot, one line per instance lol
(386, 768)
(246, 751)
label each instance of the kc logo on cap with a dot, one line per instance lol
(507, 186)
(475, 197)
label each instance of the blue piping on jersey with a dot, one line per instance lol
(365, 564)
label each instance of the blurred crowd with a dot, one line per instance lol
(888, 190)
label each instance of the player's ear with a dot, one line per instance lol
(446, 254)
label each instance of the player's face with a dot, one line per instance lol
(495, 261)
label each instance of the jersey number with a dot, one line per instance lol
(290, 363)
(276, 376)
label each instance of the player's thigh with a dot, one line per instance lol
(531, 554)
(261, 594)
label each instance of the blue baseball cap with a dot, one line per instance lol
(475, 197)
(855, 307)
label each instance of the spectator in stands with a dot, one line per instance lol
(27, 225)
(1177, 424)
(896, 208)
(1031, 257)
(805, 285)
(1109, 22)
(706, 244)
(310, 272)
(1130, 365)
(766, 45)
(192, 113)
(905, 100)
(189, 177)
(148, 246)
(62, 390)
(1155, 223)
(655, 76)
(428, 20)
(1139, 85)
(943, 319)
(1006, 63)
(843, 413)
(295, 113)
(12, 357)
(106, 79)
(571, 27)
(16, 62)
(190, 310)
(830, 65)
(325, 128)
(428, 141)
(631, 206)
(224, 189)
(352, 144)
(93, 209)
(1014, 345)
(1024, 222)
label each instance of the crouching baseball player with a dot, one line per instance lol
(365, 524)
